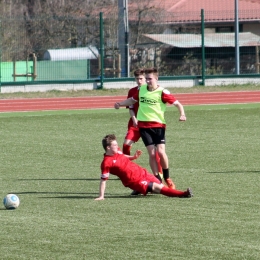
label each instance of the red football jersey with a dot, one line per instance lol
(120, 165)
(135, 106)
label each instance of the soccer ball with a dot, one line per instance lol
(11, 201)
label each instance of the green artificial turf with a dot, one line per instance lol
(51, 160)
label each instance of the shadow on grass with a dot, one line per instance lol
(78, 195)
(51, 192)
(93, 197)
(65, 179)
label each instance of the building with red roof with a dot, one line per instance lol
(178, 40)
(219, 16)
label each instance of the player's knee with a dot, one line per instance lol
(126, 149)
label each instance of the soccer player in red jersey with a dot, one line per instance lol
(133, 134)
(131, 174)
(151, 122)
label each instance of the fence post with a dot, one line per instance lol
(123, 37)
(0, 56)
(202, 49)
(101, 51)
(237, 65)
(257, 58)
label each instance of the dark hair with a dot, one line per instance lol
(152, 71)
(107, 140)
(139, 72)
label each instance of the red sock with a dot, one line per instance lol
(172, 193)
(126, 149)
(157, 157)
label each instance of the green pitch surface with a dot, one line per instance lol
(51, 160)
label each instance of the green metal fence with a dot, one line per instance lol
(199, 49)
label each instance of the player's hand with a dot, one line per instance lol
(135, 123)
(182, 118)
(116, 106)
(100, 198)
(137, 153)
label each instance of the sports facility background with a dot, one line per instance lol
(75, 47)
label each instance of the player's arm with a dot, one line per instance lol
(181, 110)
(128, 102)
(135, 156)
(102, 188)
(167, 97)
(133, 117)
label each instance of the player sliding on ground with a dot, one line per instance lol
(131, 174)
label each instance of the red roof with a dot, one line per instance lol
(180, 11)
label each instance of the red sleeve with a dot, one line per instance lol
(104, 170)
(131, 93)
(167, 97)
(136, 96)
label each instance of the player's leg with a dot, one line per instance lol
(153, 164)
(159, 140)
(151, 149)
(127, 146)
(147, 137)
(158, 160)
(149, 183)
(161, 189)
(132, 136)
(165, 165)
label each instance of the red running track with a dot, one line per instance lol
(96, 102)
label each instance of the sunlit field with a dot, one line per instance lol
(51, 160)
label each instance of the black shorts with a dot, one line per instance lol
(153, 136)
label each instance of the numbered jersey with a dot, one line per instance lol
(131, 174)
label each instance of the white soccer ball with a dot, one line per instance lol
(11, 201)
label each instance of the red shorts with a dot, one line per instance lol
(133, 134)
(141, 185)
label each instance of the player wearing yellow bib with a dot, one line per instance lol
(151, 122)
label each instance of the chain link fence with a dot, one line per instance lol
(67, 48)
